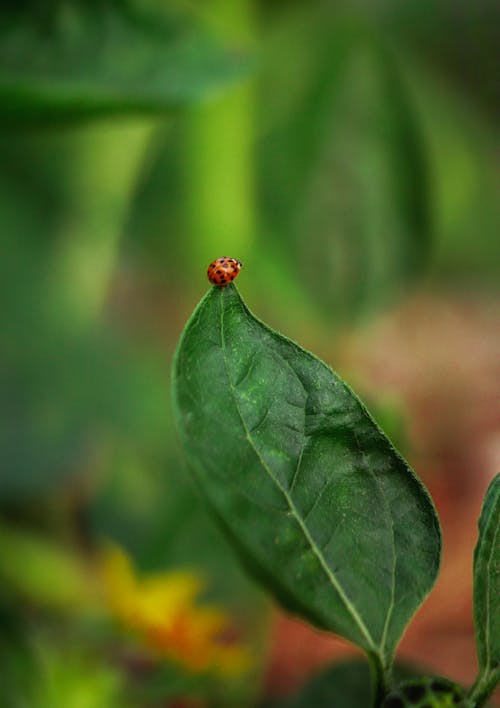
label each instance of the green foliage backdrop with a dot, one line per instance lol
(343, 151)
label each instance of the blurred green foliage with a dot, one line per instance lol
(85, 59)
(41, 674)
(343, 151)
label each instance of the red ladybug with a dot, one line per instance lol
(223, 271)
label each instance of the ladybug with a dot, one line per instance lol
(223, 271)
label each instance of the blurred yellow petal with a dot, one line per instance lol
(160, 598)
(161, 608)
(117, 569)
(119, 582)
(177, 584)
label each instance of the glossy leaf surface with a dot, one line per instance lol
(317, 501)
(75, 59)
(487, 588)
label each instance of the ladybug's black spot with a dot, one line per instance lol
(414, 693)
(218, 271)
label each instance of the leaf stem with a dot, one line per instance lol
(381, 679)
(219, 141)
(105, 162)
(484, 686)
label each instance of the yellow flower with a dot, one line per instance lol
(161, 609)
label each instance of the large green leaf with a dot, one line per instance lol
(79, 59)
(319, 504)
(344, 170)
(487, 591)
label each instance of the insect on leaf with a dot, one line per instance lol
(318, 503)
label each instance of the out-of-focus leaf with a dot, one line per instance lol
(344, 170)
(61, 675)
(303, 481)
(16, 658)
(63, 396)
(463, 49)
(67, 60)
(343, 685)
(461, 155)
(65, 382)
(487, 591)
(43, 572)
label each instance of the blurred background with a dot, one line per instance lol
(345, 152)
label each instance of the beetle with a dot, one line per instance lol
(223, 271)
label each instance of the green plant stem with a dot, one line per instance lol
(484, 686)
(381, 679)
(219, 150)
(106, 158)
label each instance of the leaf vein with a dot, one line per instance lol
(260, 421)
(318, 497)
(246, 371)
(393, 544)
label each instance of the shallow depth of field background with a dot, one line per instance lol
(345, 152)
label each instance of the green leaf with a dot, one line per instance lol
(50, 673)
(346, 184)
(317, 501)
(487, 593)
(42, 571)
(80, 59)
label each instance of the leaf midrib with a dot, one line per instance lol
(293, 509)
